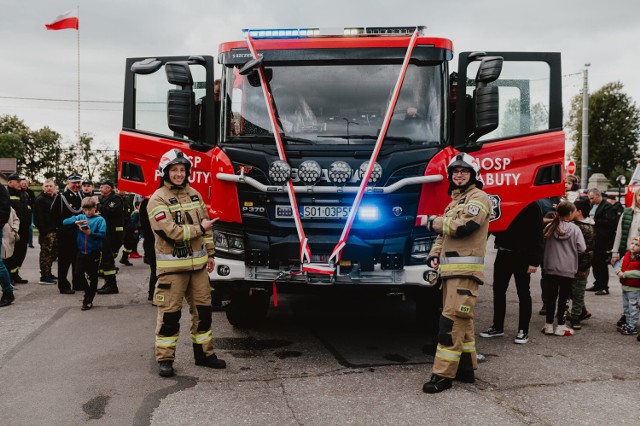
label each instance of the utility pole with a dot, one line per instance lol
(584, 169)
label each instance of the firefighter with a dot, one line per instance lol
(111, 211)
(184, 256)
(458, 253)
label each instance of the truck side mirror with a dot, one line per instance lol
(486, 99)
(182, 112)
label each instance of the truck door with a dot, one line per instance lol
(168, 103)
(522, 160)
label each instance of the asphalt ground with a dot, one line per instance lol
(315, 361)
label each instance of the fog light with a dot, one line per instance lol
(339, 172)
(223, 270)
(376, 173)
(309, 172)
(279, 172)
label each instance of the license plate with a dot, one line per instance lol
(314, 212)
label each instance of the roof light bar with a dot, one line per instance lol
(291, 33)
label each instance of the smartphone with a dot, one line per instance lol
(84, 226)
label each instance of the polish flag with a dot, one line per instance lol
(68, 19)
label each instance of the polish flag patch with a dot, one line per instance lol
(160, 216)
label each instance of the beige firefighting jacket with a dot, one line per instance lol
(175, 214)
(463, 231)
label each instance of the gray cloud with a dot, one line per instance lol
(42, 64)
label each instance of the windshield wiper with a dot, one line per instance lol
(372, 137)
(269, 138)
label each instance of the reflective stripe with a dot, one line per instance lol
(473, 267)
(162, 256)
(179, 262)
(446, 226)
(447, 354)
(110, 272)
(166, 342)
(119, 228)
(159, 209)
(480, 206)
(202, 338)
(461, 259)
(13, 197)
(186, 234)
(469, 346)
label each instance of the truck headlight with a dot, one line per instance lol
(309, 172)
(228, 243)
(421, 248)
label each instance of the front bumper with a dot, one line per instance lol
(229, 270)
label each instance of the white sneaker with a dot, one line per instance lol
(547, 329)
(563, 330)
(521, 338)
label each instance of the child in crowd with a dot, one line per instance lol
(582, 220)
(563, 242)
(92, 228)
(629, 274)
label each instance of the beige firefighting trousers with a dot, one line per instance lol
(171, 290)
(456, 335)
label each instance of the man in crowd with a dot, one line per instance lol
(112, 211)
(87, 188)
(24, 185)
(47, 230)
(67, 204)
(605, 218)
(19, 200)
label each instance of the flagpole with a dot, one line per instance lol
(79, 134)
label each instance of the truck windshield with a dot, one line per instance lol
(336, 104)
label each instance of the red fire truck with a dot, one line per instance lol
(634, 184)
(324, 146)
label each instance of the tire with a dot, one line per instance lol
(245, 310)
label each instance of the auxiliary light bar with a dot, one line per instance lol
(331, 32)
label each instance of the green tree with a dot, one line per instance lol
(11, 146)
(614, 130)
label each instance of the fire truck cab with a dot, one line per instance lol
(281, 153)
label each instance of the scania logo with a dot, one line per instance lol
(397, 211)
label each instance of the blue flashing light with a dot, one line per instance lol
(293, 33)
(368, 213)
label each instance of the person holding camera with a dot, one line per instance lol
(92, 229)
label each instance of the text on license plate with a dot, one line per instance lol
(314, 212)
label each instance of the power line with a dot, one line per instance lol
(20, 98)
(59, 100)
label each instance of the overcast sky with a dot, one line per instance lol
(36, 63)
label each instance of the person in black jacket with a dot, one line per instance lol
(67, 204)
(148, 245)
(605, 218)
(519, 254)
(47, 231)
(5, 279)
(20, 202)
(112, 211)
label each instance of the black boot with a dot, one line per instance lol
(7, 299)
(124, 260)
(210, 361)
(166, 368)
(465, 372)
(436, 384)
(108, 289)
